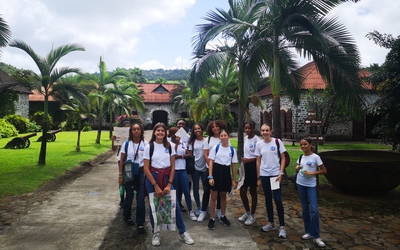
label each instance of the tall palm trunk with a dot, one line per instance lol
(240, 130)
(99, 122)
(78, 142)
(45, 129)
(276, 116)
(276, 92)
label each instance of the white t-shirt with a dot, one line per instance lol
(132, 147)
(269, 165)
(310, 163)
(223, 156)
(198, 153)
(161, 156)
(180, 164)
(250, 147)
(209, 144)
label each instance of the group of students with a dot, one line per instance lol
(215, 165)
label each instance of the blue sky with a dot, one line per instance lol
(152, 33)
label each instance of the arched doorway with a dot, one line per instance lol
(160, 116)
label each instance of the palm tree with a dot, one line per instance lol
(5, 33)
(123, 95)
(242, 45)
(306, 27)
(80, 111)
(49, 75)
(101, 96)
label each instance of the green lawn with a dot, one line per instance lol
(19, 172)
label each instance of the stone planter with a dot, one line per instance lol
(362, 172)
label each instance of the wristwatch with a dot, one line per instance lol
(282, 173)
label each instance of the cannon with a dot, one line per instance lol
(20, 142)
(51, 136)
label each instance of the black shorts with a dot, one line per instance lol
(222, 178)
(250, 173)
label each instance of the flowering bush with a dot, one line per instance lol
(131, 118)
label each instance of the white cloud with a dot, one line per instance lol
(153, 64)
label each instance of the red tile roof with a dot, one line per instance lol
(312, 79)
(156, 93)
(38, 97)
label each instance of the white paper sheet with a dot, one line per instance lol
(241, 176)
(122, 134)
(182, 134)
(274, 184)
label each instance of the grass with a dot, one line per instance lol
(20, 173)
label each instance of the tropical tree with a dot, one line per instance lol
(79, 110)
(386, 78)
(306, 27)
(123, 96)
(242, 45)
(5, 33)
(100, 97)
(47, 79)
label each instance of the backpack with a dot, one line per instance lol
(130, 168)
(287, 157)
(217, 148)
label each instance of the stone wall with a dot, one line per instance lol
(22, 105)
(344, 129)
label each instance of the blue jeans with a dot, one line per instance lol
(181, 185)
(309, 204)
(179, 219)
(197, 175)
(130, 187)
(266, 185)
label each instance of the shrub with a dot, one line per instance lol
(33, 127)
(7, 129)
(87, 128)
(19, 122)
(38, 119)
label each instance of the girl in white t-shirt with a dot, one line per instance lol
(196, 149)
(307, 170)
(269, 168)
(159, 169)
(136, 145)
(181, 178)
(250, 176)
(222, 157)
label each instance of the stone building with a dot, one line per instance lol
(22, 104)
(293, 117)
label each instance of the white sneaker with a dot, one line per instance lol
(282, 232)
(185, 237)
(250, 220)
(202, 216)
(268, 227)
(244, 217)
(156, 239)
(218, 214)
(319, 242)
(192, 216)
(306, 237)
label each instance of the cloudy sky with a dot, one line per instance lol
(151, 34)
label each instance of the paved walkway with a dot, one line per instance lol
(83, 214)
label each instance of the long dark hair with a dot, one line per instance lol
(153, 137)
(141, 132)
(193, 136)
